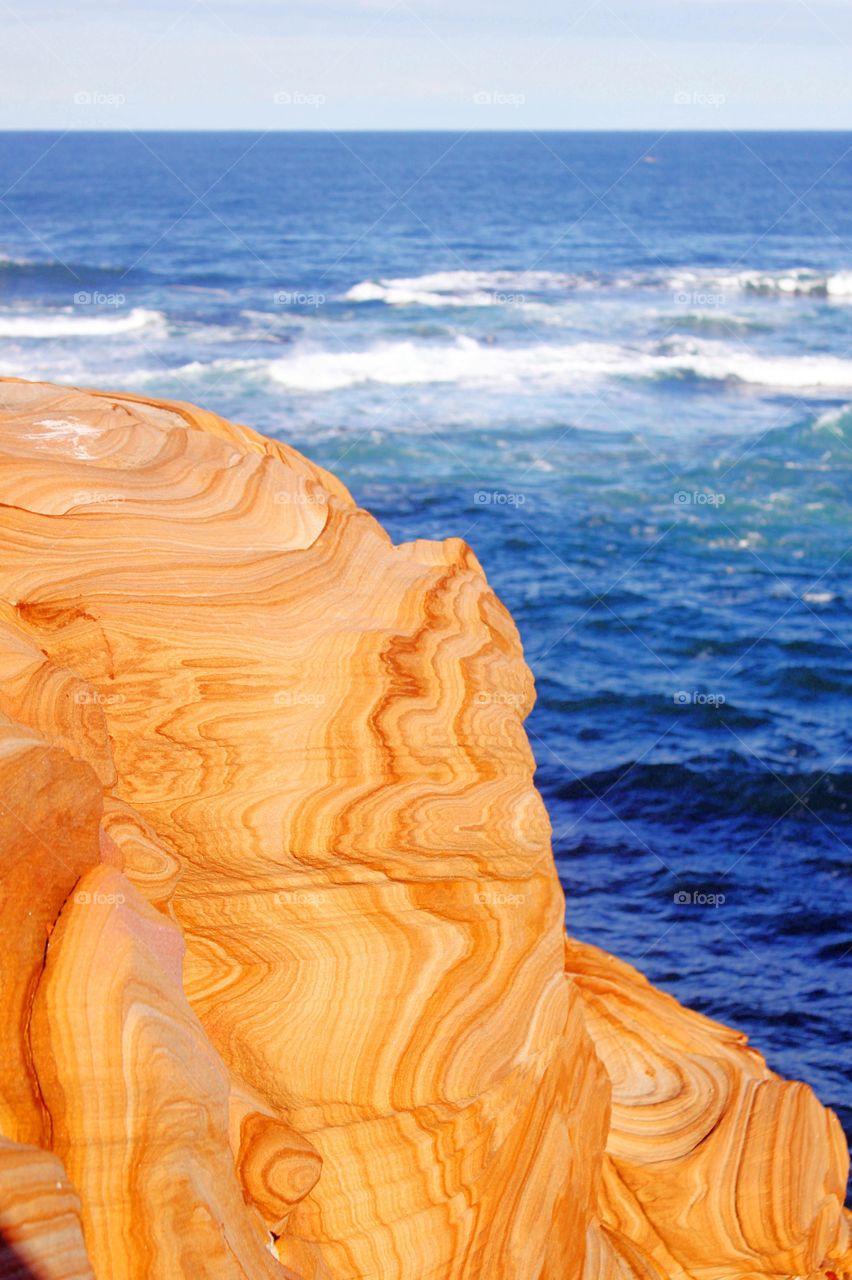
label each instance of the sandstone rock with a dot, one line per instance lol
(297, 751)
(138, 1099)
(40, 1230)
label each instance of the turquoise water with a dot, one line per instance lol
(620, 366)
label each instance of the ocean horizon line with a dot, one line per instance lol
(661, 130)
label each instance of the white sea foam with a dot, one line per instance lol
(834, 420)
(840, 285)
(67, 324)
(411, 363)
(495, 288)
(465, 288)
(718, 361)
(801, 282)
(797, 281)
(467, 361)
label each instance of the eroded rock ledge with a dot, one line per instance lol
(284, 976)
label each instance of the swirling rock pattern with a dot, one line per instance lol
(283, 960)
(40, 1228)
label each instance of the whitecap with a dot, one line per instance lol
(465, 361)
(465, 288)
(840, 285)
(408, 363)
(792, 282)
(61, 324)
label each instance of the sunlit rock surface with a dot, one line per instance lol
(285, 983)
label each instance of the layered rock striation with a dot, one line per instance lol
(285, 980)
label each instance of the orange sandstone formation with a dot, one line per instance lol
(285, 982)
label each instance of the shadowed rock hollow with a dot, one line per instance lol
(285, 980)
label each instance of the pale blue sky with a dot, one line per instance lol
(471, 64)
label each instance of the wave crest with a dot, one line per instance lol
(68, 324)
(409, 363)
(466, 288)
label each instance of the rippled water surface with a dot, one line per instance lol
(621, 367)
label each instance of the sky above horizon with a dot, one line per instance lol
(427, 64)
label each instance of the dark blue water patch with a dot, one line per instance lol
(809, 682)
(718, 784)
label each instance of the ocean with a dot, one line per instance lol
(620, 366)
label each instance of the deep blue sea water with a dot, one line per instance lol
(619, 365)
